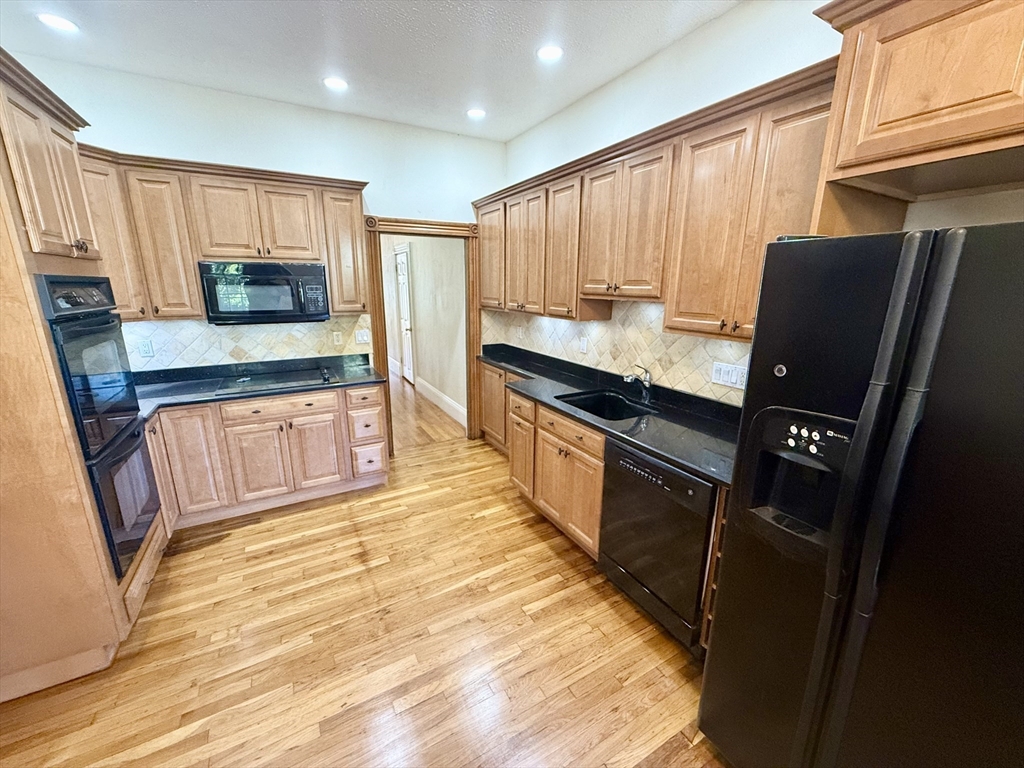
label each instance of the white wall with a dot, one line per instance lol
(413, 172)
(966, 211)
(758, 41)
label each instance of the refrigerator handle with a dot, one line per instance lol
(876, 536)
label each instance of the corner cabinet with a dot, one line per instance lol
(491, 222)
(346, 252)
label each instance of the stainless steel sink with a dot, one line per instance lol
(606, 404)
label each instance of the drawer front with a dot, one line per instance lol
(573, 433)
(139, 586)
(273, 408)
(369, 459)
(366, 424)
(521, 406)
(360, 396)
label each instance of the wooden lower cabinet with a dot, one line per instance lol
(162, 472)
(136, 584)
(191, 436)
(259, 460)
(520, 436)
(369, 459)
(550, 477)
(493, 407)
(585, 487)
(316, 457)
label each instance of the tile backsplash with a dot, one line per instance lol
(633, 335)
(188, 343)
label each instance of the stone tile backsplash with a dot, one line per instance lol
(633, 335)
(188, 343)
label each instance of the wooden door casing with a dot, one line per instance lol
(563, 248)
(643, 230)
(492, 397)
(226, 216)
(599, 229)
(520, 437)
(158, 209)
(551, 476)
(346, 252)
(289, 223)
(195, 458)
(491, 221)
(259, 459)
(315, 443)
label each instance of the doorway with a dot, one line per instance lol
(404, 312)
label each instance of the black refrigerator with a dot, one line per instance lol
(870, 605)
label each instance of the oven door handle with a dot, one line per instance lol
(86, 327)
(138, 436)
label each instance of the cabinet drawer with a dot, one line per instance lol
(364, 396)
(272, 408)
(520, 406)
(366, 424)
(369, 459)
(143, 577)
(575, 434)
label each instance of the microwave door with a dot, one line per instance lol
(251, 298)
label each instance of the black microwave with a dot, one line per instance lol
(237, 292)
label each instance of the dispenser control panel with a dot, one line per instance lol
(828, 443)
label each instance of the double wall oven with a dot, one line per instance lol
(98, 381)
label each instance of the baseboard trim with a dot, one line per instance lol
(394, 366)
(28, 681)
(441, 400)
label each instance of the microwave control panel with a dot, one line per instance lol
(315, 301)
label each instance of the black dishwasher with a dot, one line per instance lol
(655, 532)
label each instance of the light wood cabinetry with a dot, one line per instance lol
(290, 223)
(491, 222)
(492, 399)
(316, 443)
(599, 229)
(226, 216)
(369, 460)
(520, 436)
(583, 521)
(346, 253)
(162, 473)
(259, 459)
(525, 245)
(158, 209)
(195, 456)
(137, 581)
(563, 248)
(106, 199)
(550, 479)
(47, 178)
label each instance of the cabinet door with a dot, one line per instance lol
(346, 254)
(492, 391)
(259, 460)
(162, 473)
(26, 135)
(583, 520)
(121, 263)
(491, 221)
(714, 186)
(534, 243)
(790, 142)
(226, 216)
(928, 75)
(368, 460)
(290, 223)
(194, 455)
(515, 267)
(552, 476)
(646, 181)
(158, 209)
(563, 248)
(599, 231)
(72, 187)
(315, 443)
(520, 454)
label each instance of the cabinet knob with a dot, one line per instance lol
(369, 461)
(560, 451)
(366, 426)
(551, 423)
(152, 430)
(579, 437)
(364, 397)
(721, 325)
(257, 411)
(568, 310)
(364, 306)
(142, 310)
(280, 427)
(289, 425)
(735, 325)
(499, 305)
(309, 405)
(615, 287)
(156, 310)
(607, 286)
(259, 252)
(268, 250)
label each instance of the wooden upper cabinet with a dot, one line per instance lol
(259, 459)
(491, 221)
(599, 229)
(346, 253)
(492, 398)
(72, 187)
(791, 139)
(515, 277)
(643, 227)
(714, 184)
(563, 248)
(195, 458)
(290, 223)
(121, 264)
(927, 75)
(158, 208)
(226, 216)
(525, 245)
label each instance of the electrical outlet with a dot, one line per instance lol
(583, 345)
(362, 337)
(734, 376)
(519, 332)
(338, 341)
(146, 348)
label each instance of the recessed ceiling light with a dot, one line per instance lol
(549, 53)
(476, 114)
(57, 22)
(335, 83)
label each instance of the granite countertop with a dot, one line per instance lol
(214, 383)
(689, 432)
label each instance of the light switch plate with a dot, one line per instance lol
(337, 339)
(727, 375)
(583, 345)
(362, 337)
(146, 348)
(519, 331)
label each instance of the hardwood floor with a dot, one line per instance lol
(436, 621)
(415, 420)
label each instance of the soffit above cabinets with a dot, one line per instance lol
(423, 64)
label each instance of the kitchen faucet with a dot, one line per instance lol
(645, 380)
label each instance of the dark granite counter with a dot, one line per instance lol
(689, 432)
(214, 383)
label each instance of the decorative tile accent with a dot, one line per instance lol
(632, 336)
(188, 343)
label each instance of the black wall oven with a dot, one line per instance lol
(263, 292)
(101, 392)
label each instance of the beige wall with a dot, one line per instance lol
(437, 279)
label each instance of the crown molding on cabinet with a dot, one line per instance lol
(820, 75)
(19, 78)
(393, 226)
(232, 171)
(843, 14)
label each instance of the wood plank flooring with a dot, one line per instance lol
(415, 420)
(437, 621)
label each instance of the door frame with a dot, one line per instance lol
(374, 227)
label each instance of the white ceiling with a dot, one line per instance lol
(421, 62)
